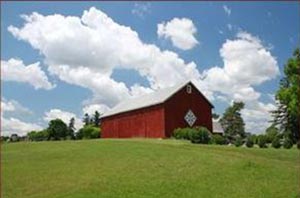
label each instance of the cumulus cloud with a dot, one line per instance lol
(10, 109)
(64, 116)
(13, 108)
(15, 126)
(247, 63)
(257, 116)
(106, 45)
(180, 31)
(90, 109)
(15, 70)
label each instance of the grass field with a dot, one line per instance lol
(147, 168)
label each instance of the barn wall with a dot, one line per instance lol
(148, 122)
(177, 106)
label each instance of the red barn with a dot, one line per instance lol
(156, 115)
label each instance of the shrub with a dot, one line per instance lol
(89, 132)
(182, 133)
(271, 133)
(298, 144)
(276, 143)
(218, 139)
(262, 141)
(249, 142)
(238, 142)
(200, 135)
(287, 143)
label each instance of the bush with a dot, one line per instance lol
(89, 132)
(249, 142)
(200, 135)
(218, 139)
(298, 144)
(287, 143)
(182, 133)
(262, 141)
(276, 143)
(238, 142)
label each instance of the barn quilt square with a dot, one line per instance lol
(190, 118)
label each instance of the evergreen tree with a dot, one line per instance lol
(232, 121)
(71, 128)
(287, 114)
(96, 119)
(86, 119)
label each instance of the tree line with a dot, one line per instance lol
(58, 130)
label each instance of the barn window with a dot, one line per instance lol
(189, 89)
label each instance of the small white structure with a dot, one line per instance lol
(217, 128)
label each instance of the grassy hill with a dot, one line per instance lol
(147, 168)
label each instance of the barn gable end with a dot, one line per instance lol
(180, 103)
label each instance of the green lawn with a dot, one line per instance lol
(147, 168)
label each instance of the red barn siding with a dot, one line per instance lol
(147, 122)
(177, 106)
(159, 121)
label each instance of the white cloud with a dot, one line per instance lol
(227, 10)
(104, 47)
(64, 116)
(13, 125)
(10, 109)
(13, 108)
(90, 109)
(15, 70)
(180, 31)
(138, 90)
(141, 9)
(257, 116)
(107, 45)
(247, 63)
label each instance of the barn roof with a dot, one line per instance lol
(155, 98)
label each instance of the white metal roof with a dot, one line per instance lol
(151, 99)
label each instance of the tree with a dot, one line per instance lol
(271, 133)
(86, 119)
(287, 143)
(96, 119)
(287, 114)
(57, 129)
(71, 129)
(232, 121)
(38, 135)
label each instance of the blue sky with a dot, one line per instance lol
(272, 28)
